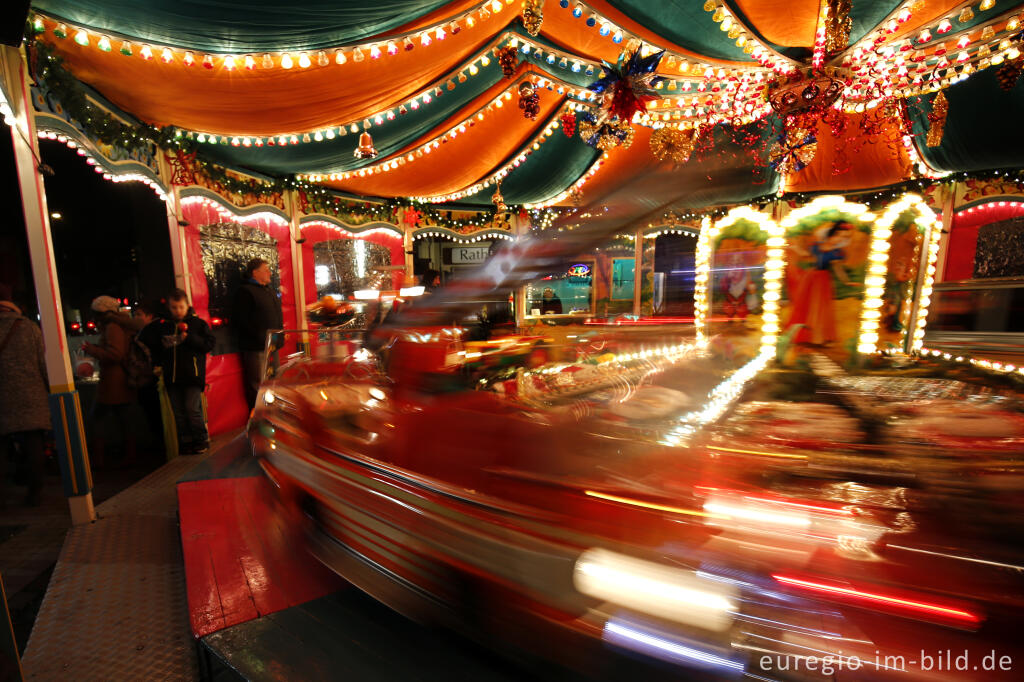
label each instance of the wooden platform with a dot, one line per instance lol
(241, 562)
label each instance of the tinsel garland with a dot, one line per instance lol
(533, 16)
(937, 119)
(838, 25)
(672, 144)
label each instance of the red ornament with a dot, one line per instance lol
(568, 120)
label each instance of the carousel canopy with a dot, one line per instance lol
(625, 108)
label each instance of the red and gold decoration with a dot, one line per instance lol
(804, 92)
(937, 120)
(365, 150)
(672, 144)
(568, 121)
(529, 100)
(793, 150)
(533, 16)
(508, 57)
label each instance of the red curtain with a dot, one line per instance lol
(225, 397)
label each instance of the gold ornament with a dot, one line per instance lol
(671, 143)
(966, 15)
(794, 151)
(838, 25)
(533, 16)
(710, 6)
(498, 200)
(937, 120)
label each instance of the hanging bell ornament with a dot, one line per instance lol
(365, 150)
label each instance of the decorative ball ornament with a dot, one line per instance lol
(529, 100)
(793, 151)
(672, 144)
(508, 57)
(365, 150)
(533, 16)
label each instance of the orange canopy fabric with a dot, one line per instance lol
(264, 101)
(784, 22)
(855, 160)
(459, 162)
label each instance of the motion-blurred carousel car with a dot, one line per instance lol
(625, 501)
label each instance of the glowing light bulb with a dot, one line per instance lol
(321, 58)
(304, 61)
(392, 48)
(166, 56)
(267, 62)
(82, 38)
(189, 59)
(104, 44)
(374, 52)
(440, 34)
(250, 63)
(286, 61)
(229, 63)
(208, 61)
(146, 52)
(424, 39)
(944, 26)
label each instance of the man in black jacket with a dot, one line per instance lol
(179, 345)
(256, 311)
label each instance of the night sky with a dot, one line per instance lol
(111, 239)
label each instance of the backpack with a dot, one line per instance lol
(138, 364)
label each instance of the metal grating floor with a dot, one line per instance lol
(115, 608)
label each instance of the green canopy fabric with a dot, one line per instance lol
(983, 126)
(227, 26)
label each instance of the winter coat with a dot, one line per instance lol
(116, 331)
(24, 389)
(256, 310)
(182, 360)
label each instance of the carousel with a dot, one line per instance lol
(721, 371)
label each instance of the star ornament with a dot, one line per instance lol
(630, 85)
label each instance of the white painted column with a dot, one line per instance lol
(65, 409)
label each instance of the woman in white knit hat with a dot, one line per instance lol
(114, 395)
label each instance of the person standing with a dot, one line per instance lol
(24, 393)
(256, 311)
(114, 396)
(147, 317)
(182, 342)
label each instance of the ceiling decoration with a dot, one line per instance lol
(684, 104)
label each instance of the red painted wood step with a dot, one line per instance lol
(241, 560)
